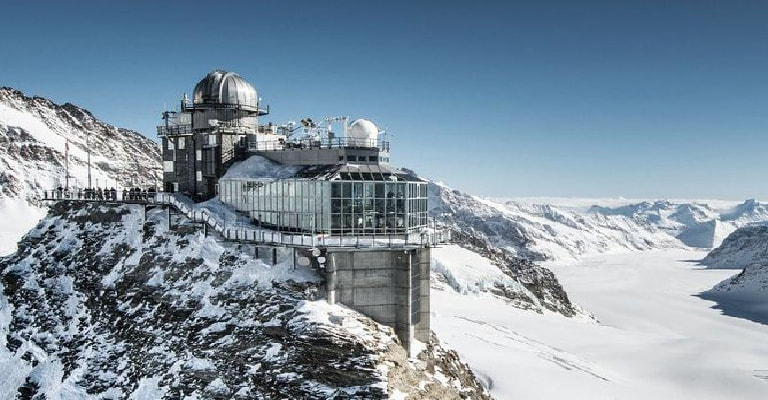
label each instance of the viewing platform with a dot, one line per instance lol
(232, 225)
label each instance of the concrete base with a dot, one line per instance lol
(390, 286)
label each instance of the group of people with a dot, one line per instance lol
(138, 194)
(107, 194)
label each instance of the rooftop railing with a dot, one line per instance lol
(341, 142)
(174, 130)
(257, 109)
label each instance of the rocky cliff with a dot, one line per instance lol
(107, 302)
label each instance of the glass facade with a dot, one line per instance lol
(338, 208)
(292, 205)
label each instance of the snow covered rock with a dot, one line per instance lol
(751, 282)
(744, 295)
(472, 266)
(107, 302)
(743, 247)
(33, 134)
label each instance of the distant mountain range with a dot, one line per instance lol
(545, 232)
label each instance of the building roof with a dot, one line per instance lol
(357, 172)
(259, 167)
(227, 89)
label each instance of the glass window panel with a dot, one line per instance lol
(346, 205)
(346, 190)
(336, 189)
(379, 190)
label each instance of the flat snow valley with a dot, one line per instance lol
(654, 340)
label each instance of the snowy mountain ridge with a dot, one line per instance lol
(33, 134)
(546, 232)
(543, 232)
(694, 224)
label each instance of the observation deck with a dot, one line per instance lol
(232, 227)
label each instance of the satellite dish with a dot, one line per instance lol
(321, 260)
(315, 252)
(303, 261)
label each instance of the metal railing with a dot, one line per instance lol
(342, 142)
(226, 106)
(247, 233)
(173, 130)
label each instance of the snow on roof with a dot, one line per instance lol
(260, 167)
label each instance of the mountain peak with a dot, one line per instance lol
(34, 132)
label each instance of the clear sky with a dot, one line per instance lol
(497, 98)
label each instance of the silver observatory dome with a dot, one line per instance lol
(228, 89)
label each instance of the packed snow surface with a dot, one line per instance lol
(654, 340)
(18, 216)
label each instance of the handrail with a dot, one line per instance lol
(163, 130)
(251, 234)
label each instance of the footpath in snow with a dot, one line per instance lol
(655, 340)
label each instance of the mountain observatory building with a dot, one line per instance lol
(324, 188)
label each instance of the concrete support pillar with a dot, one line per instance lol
(389, 286)
(422, 328)
(330, 280)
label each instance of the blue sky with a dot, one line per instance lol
(498, 98)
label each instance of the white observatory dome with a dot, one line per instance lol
(225, 88)
(363, 132)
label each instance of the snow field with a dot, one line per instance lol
(655, 338)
